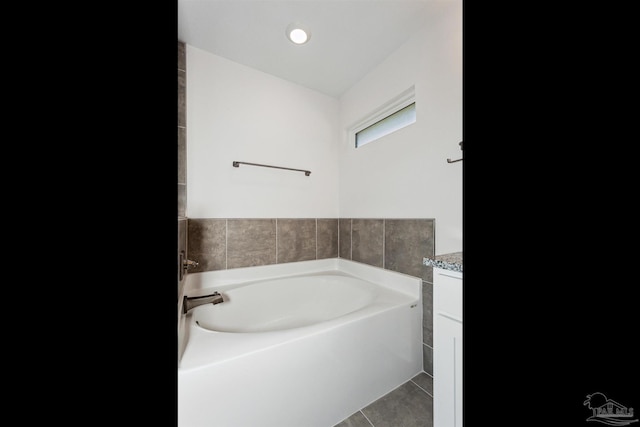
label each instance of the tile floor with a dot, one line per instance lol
(410, 405)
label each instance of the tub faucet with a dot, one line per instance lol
(190, 302)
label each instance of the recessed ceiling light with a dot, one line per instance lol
(297, 34)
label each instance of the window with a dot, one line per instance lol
(391, 123)
(394, 115)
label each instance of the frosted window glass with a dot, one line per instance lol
(392, 123)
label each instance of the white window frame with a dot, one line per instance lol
(390, 107)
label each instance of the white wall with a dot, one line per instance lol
(405, 174)
(238, 113)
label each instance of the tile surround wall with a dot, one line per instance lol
(327, 238)
(251, 242)
(207, 244)
(219, 244)
(367, 241)
(182, 163)
(296, 240)
(182, 247)
(393, 244)
(182, 129)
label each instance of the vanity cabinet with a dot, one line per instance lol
(447, 348)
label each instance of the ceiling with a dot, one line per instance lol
(348, 37)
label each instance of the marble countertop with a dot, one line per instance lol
(451, 261)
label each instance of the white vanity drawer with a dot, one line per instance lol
(447, 293)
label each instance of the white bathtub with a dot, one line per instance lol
(296, 345)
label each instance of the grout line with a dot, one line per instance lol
(276, 240)
(384, 222)
(226, 244)
(316, 238)
(363, 414)
(338, 237)
(418, 385)
(351, 239)
(427, 345)
(338, 243)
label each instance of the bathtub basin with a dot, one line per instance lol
(286, 303)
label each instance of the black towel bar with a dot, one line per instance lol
(237, 164)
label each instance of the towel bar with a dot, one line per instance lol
(237, 164)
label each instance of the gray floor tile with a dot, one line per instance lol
(424, 381)
(355, 420)
(406, 406)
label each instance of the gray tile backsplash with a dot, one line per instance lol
(182, 130)
(367, 241)
(207, 244)
(393, 244)
(327, 238)
(254, 242)
(182, 248)
(182, 155)
(182, 98)
(182, 200)
(296, 240)
(344, 241)
(251, 242)
(181, 189)
(406, 242)
(182, 57)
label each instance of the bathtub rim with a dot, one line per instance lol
(197, 284)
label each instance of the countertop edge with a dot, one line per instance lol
(452, 261)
